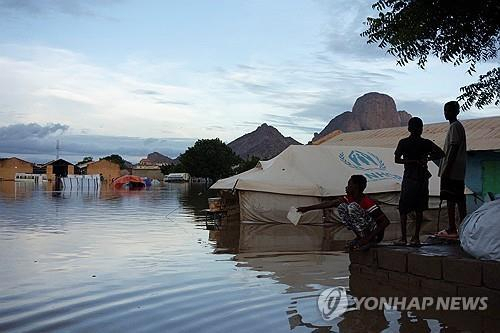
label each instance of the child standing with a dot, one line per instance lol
(414, 152)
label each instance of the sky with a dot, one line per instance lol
(132, 77)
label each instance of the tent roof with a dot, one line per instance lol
(323, 170)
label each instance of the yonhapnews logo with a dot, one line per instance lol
(334, 302)
(373, 167)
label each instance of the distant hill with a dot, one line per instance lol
(265, 142)
(370, 111)
(157, 158)
(127, 164)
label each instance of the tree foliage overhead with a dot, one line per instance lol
(458, 32)
(209, 158)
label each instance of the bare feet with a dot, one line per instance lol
(401, 242)
(449, 234)
(415, 241)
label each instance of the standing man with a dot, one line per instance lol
(414, 152)
(452, 170)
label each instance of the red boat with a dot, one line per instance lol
(129, 181)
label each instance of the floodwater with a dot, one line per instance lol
(144, 261)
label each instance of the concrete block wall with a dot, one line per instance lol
(399, 271)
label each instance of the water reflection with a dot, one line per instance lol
(113, 261)
(17, 190)
(414, 321)
(308, 259)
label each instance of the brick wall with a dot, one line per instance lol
(9, 167)
(442, 270)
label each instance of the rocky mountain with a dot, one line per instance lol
(265, 142)
(128, 165)
(156, 158)
(370, 111)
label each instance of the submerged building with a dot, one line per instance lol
(149, 171)
(58, 168)
(12, 165)
(107, 169)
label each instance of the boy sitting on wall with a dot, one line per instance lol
(357, 212)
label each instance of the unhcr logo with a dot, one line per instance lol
(373, 167)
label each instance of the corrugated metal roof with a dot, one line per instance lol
(59, 160)
(482, 134)
(327, 137)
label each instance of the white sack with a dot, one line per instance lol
(480, 232)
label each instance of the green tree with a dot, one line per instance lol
(86, 159)
(456, 32)
(247, 164)
(116, 159)
(172, 168)
(209, 158)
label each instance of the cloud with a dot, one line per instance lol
(431, 111)
(146, 92)
(39, 83)
(167, 102)
(284, 124)
(308, 94)
(37, 142)
(488, 111)
(42, 7)
(342, 35)
(300, 98)
(297, 83)
(331, 106)
(159, 97)
(142, 98)
(326, 108)
(23, 131)
(291, 122)
(214, 128)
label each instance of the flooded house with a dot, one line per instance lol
(58, 168)
(105, 168)
(12, 165)
(149, 171)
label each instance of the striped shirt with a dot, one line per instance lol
(367, 204)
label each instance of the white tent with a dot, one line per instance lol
(305, 175)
